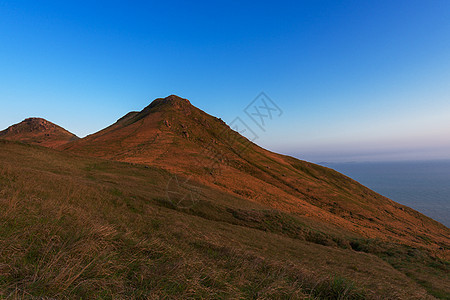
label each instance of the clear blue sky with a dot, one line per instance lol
(356, 80)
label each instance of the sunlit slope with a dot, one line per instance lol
(38, 131)
(173, 134)
(85, 227)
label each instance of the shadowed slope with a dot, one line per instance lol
(38, 131)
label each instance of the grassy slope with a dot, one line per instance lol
(81, 227)
(178, 137)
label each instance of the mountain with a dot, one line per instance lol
(38, 131)
(173, 134)
(172, 202)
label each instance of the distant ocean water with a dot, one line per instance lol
(423, 186)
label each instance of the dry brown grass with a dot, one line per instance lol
(75, 227)
(174, 135)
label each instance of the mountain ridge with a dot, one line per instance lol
(209, 172)
(173, 134)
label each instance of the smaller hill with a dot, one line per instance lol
(38, 131)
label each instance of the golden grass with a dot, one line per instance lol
(75, 227)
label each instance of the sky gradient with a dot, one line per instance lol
(356, 80)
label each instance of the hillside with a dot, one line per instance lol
(173, 134)
(38, 131)
(171, 202)
(77, 227)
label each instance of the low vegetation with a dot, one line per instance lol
(74, 227)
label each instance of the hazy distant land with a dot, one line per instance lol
(422, 185)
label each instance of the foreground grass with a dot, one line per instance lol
(84, 228)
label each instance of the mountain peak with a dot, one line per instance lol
(170, 101)
(38, 131)
(39, 124)
(29, 125)
(33, 119)
(174, 99)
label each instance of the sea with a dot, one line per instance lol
(421, 185)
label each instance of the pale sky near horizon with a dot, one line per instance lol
(356, 80)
